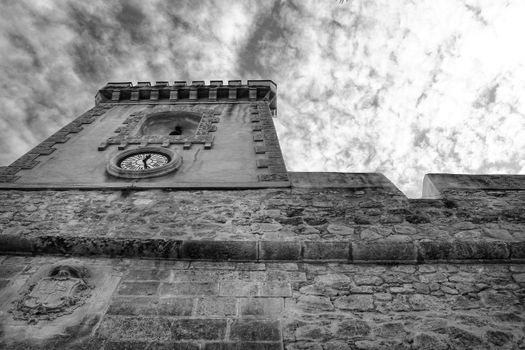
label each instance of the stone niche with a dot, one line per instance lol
(170, 123)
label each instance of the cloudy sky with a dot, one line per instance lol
(399, 87)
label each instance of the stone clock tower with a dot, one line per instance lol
(164, 135)
(165, 218)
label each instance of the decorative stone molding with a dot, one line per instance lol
(28, 160)
(415, 252)
(234, 90)
(127, 133)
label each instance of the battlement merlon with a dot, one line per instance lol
(197, 90)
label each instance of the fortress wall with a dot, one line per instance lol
(303, 223)
(308, 267)
(159, 304)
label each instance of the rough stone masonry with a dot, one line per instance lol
(231, 251)
(271, 269)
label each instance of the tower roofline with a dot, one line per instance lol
(179, 90)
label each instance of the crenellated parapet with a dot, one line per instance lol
(197, 90)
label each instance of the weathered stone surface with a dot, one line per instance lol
(138, 288)
(275, 289)
(311, 303)
(189, 288)
(253, 330)
(358, 302)
(150, 274)
(390, 330)
(341, 230)
(326, 251)
(270, 250)
(10, 270)
(243, 345)
(425, 341)
(517, 250)
(460, 338)
(460, 250)
(124, 345)
(72, 225)
(350, 328)
(384, 252)
(218, 250)
(499, 338)
(216, 307)
(338, 303)
(238, 288)
(140, 328)
(367, 280)
(320, 305)
(148, 306)
(261, 307)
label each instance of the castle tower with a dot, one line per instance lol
(164, 218)
(164, 135)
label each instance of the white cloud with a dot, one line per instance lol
(399, 87)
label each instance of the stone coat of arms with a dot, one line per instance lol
(60, 293)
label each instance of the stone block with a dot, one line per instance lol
(219, 250)
(352, 328)
(138, 288)
(134, 306)
(135, 328)
(153, 275)
(174, 306)
(261, 307)
(357, 302)
(86, 246)
(517, 251)
(392, 252)
(213, 265)
(462, 250)
(286, 266)
(191, 329)
(426, 341)
(150, 306)
(279, 250)
(326, 250)
(127, 345)
(190, 288)
(311, 304)
(238, 288)
(285, 276)
(216, 307)
(254, 330)
(274, 289)
(15, 243)
(244, 346)
(368, 280)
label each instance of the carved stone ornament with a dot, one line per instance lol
(64, 290)
(130, 132)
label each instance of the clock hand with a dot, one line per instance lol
(145, 160)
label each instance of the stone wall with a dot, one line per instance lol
(159, 304)
(307, 267)
(267, 224)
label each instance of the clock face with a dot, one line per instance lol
(144, 161)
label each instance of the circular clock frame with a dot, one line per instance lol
(114, 166)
